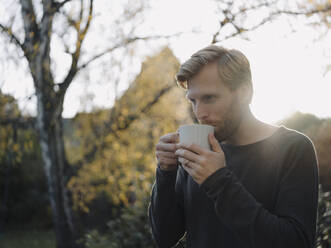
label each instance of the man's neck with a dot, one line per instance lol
(251, 130)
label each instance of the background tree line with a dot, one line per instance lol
(114, 171)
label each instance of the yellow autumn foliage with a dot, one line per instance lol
(14, 142)
(123, 165)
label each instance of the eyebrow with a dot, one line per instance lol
(203, 95)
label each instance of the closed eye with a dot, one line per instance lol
(208, 98)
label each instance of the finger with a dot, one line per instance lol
(183, 161)
(189, 170)
(193, 147)
(190, 164)
(160, 154)
(167, 161)
(186, 154)
(170, 138)
(215, 146)
(166, 147)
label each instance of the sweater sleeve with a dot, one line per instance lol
(166, 213)
(292, 224)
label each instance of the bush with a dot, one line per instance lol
(130, 229)
(323, 239)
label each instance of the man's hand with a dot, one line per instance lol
(165, 151)
(200, 163)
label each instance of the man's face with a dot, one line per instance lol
(214, 103)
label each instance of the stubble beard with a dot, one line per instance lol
(231, 122)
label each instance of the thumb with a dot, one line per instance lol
(215, 146)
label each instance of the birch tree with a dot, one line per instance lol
(32, 32)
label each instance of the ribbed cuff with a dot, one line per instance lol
(164, 177)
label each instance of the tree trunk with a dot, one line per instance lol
(50, 130)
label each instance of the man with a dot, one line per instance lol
(257, 187)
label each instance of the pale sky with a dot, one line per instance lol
(287, 67)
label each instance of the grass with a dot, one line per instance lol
(27, 239)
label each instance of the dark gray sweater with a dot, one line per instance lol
(265, 197)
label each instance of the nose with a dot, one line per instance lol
(201, 112)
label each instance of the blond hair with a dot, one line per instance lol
(233, 66)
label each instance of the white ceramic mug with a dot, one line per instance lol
(195, 133)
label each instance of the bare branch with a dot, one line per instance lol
(123, 44)
(81, 34)
(255, 7)
(81, 11)
(42, 47)
(230, 19)
(240, 30)
(89, 19)
(30, 26)
(46, 21)
(109, 50)
(12, 36)
(222, 24)
(311, 12)
(58, 5)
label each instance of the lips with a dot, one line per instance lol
(210, 124)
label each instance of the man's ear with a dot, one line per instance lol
(245, 92)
